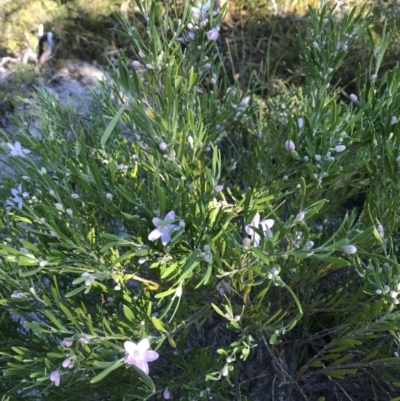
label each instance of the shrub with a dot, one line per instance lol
(254, 251)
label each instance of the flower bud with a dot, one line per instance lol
(340, 148)
(290, 146)
(349, 249)
(246, 242)
(213, 34)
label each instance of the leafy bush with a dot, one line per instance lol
(251, 242)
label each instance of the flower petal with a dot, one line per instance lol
(155, 234)
(169, 216)
(165, 238)
(142, 365)
(156, 220)
(256, 220)
(130, 347)
(131, 359)
(256, 240)
(249, 230)
(143, 345)
(150, 355)
(269, 223)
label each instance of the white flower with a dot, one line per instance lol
(17, 294)
(166, 394)
(74, 196)
(55, 377)
(353, 97)
(393, 120)
(300, 216)
(265, 224)
(17, 149)
(163, 230)
(136, 64)
(290, 146)
(139, 354)
(317, 158)
(218, 188)
(300, 122)
(349, 249)
(69, 212)
(224, 371)
(84, 340)
(213, 34)
(109, 196)
(59, 206)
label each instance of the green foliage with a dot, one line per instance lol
(19, 83)
(178, 211)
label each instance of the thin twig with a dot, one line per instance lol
(278, 367)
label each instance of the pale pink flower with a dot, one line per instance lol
(55, 377)
(139, 354)
(17, 149)
(67, 363)
(84, 340)
(265, 225)
(163, 230)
